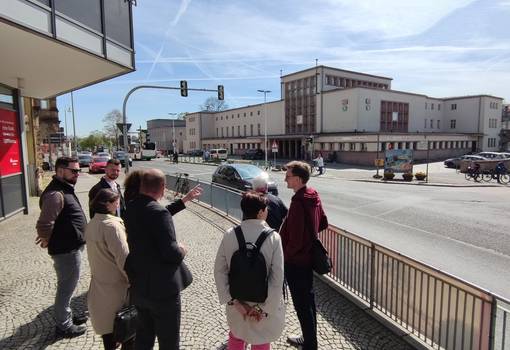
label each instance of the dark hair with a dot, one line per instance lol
(251, 203)
(299, 169)
(102, 198)
(113, 161)
(132, 184)
(152, 180)
(63, 162)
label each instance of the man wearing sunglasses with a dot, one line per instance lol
(60, 229)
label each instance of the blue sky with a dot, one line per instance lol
(439, 48)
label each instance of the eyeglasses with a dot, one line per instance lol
(73, 170)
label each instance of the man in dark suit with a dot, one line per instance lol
(112, 172)
(155, 266)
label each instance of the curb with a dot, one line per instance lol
(421, 183)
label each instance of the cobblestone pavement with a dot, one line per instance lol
(28, 286)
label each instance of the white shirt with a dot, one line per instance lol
(115, 188)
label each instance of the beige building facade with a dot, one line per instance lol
(351, 117)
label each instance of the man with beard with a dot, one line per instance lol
(60, 229)
(112, 172)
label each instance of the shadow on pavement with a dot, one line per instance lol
(40, 332)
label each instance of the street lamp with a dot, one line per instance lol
(265, 92)
(173, 130)
(74, 125)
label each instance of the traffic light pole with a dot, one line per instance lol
(124, 117)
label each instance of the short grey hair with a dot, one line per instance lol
(259, 183)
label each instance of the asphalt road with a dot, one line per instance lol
(463, 231)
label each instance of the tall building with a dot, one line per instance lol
(51, 47)
(351, 117)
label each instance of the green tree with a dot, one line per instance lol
(94, 139)
(212, 104)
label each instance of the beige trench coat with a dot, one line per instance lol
(270, 328)
(107, 250)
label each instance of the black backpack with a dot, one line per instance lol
(247, 277)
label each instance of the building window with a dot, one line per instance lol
(432, 123)
(244, 114)
(425, 123)
(244, 131)
(363, 146)
(217, 133)
(415, 145)
(221, 132)
(453, 106)
(258, 129)
(394, 116)
(426, 105)
(258, 112)
(352, 146)
(432, 106)
(341, 146)
(239, 130)
(453, 124)
(438, 124)
(251, 129)
(438, 106)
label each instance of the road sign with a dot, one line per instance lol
(121, 126)
(274, 147)
(56, 138)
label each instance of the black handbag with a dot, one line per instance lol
(124, 324)
(321, 262)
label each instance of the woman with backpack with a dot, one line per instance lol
(252, 293)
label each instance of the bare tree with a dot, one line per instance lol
(212, 104)
(110, 121)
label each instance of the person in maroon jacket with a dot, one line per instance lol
(304, 220)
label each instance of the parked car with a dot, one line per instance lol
(196, 153)
(84, 153)
(455, 162)
(84, 160)
(253, 153)
(98, 165)
(239, 176)
(489, 155)
(504, 155)
(103, 154)
(121, 156)
(218, 153)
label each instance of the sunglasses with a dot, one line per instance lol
(73, 170)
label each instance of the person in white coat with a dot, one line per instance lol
(251, 323)
(107, 250)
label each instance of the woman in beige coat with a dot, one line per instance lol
(107, 250)
(255, 324)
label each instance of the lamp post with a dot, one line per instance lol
(265, 92)
(74, 125)
(173, 130)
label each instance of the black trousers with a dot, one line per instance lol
(300, 281)
(109, 343)
(162, 320)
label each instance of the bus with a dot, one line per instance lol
(148, 151)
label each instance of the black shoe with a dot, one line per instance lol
(81, 319)
(296, 340)
(71, 332)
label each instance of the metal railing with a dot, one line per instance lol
(438, 310)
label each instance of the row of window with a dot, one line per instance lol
(493, 123)
(192, 131)
(225, 131)
(346, 82)
(238, 115)
(438, 123)
(192, 145)
(491, 142)
(493, 105)
(432, 106)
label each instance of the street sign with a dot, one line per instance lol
(121, 126)
(274, 147)
(56, 138)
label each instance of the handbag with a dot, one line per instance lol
(321, 262)
(125, 322)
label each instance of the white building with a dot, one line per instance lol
(351, 116)
(167, 134)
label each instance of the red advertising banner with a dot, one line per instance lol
(9, 143)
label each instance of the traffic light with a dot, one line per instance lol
(221, 93)
(184, 88)
(147, 137)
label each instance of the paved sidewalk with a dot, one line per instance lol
(28, 286)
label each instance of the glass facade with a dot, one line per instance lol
(86, 12)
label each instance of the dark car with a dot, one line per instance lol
(196, 153)
(239, 176)
(121, 156)
(84, 160)
(253, 154)
(455, 162)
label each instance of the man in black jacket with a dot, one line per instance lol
(112, 172)
(60, 229)
(155, 265)
(276, 209)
